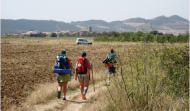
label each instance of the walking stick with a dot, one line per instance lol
(93, 80)
(70, 86)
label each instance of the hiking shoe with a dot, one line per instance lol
(64, 98)
(59, 95)
(83, 97)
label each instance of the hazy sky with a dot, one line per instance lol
(81, 10)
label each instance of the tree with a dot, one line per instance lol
(66, 34)
(104, 33)
(60, 35)
(139, 33)
(115, 34)
(154, 32)
(53, 35)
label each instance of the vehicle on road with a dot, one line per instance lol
(83, 41)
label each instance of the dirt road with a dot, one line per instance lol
(75, 103)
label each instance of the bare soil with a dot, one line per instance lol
(26, 63)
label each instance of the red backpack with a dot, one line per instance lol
(81, 66)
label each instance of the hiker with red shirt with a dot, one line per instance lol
(82, 72)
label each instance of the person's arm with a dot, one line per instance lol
(71, 66)
(88, 64)
(106, 57)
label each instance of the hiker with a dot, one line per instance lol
(82, 72)
(110, 63)
(63, 79)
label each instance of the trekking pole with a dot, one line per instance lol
(93, 80)
(70, 87)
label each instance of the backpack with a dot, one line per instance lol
(110, 60)
(81, 66)
(61, 62)
(111, 56)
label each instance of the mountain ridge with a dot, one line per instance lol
(173, 22)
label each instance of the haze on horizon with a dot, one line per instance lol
(107, 10)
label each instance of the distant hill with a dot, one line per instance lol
(162, 23)
(97, 25)
(135, 20)
(40, 25)
(178, 18)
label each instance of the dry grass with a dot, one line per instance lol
(102, 101)
(98, 102)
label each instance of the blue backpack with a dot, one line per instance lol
(61, 66)
(111, 56)
(61, 62)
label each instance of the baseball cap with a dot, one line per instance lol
(83, 54)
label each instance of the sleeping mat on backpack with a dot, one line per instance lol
(61, 71)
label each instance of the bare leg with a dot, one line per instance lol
(82, 86)
(60, 86)
(65, 88)
(59, 89)
(108, 78)
(86, 83)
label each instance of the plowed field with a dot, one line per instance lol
(28, 62)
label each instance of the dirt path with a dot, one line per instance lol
(75, 103)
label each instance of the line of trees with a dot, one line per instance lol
(124, 36)
(38, 35)
(42, 35)
(141, 36)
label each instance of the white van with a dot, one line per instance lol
(83, 41)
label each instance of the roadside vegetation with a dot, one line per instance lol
(150, 75)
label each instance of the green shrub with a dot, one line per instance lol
(176, 63)
(150, 79)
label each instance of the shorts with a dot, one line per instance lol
(63, 77)
(83, 77)
(111, 70)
